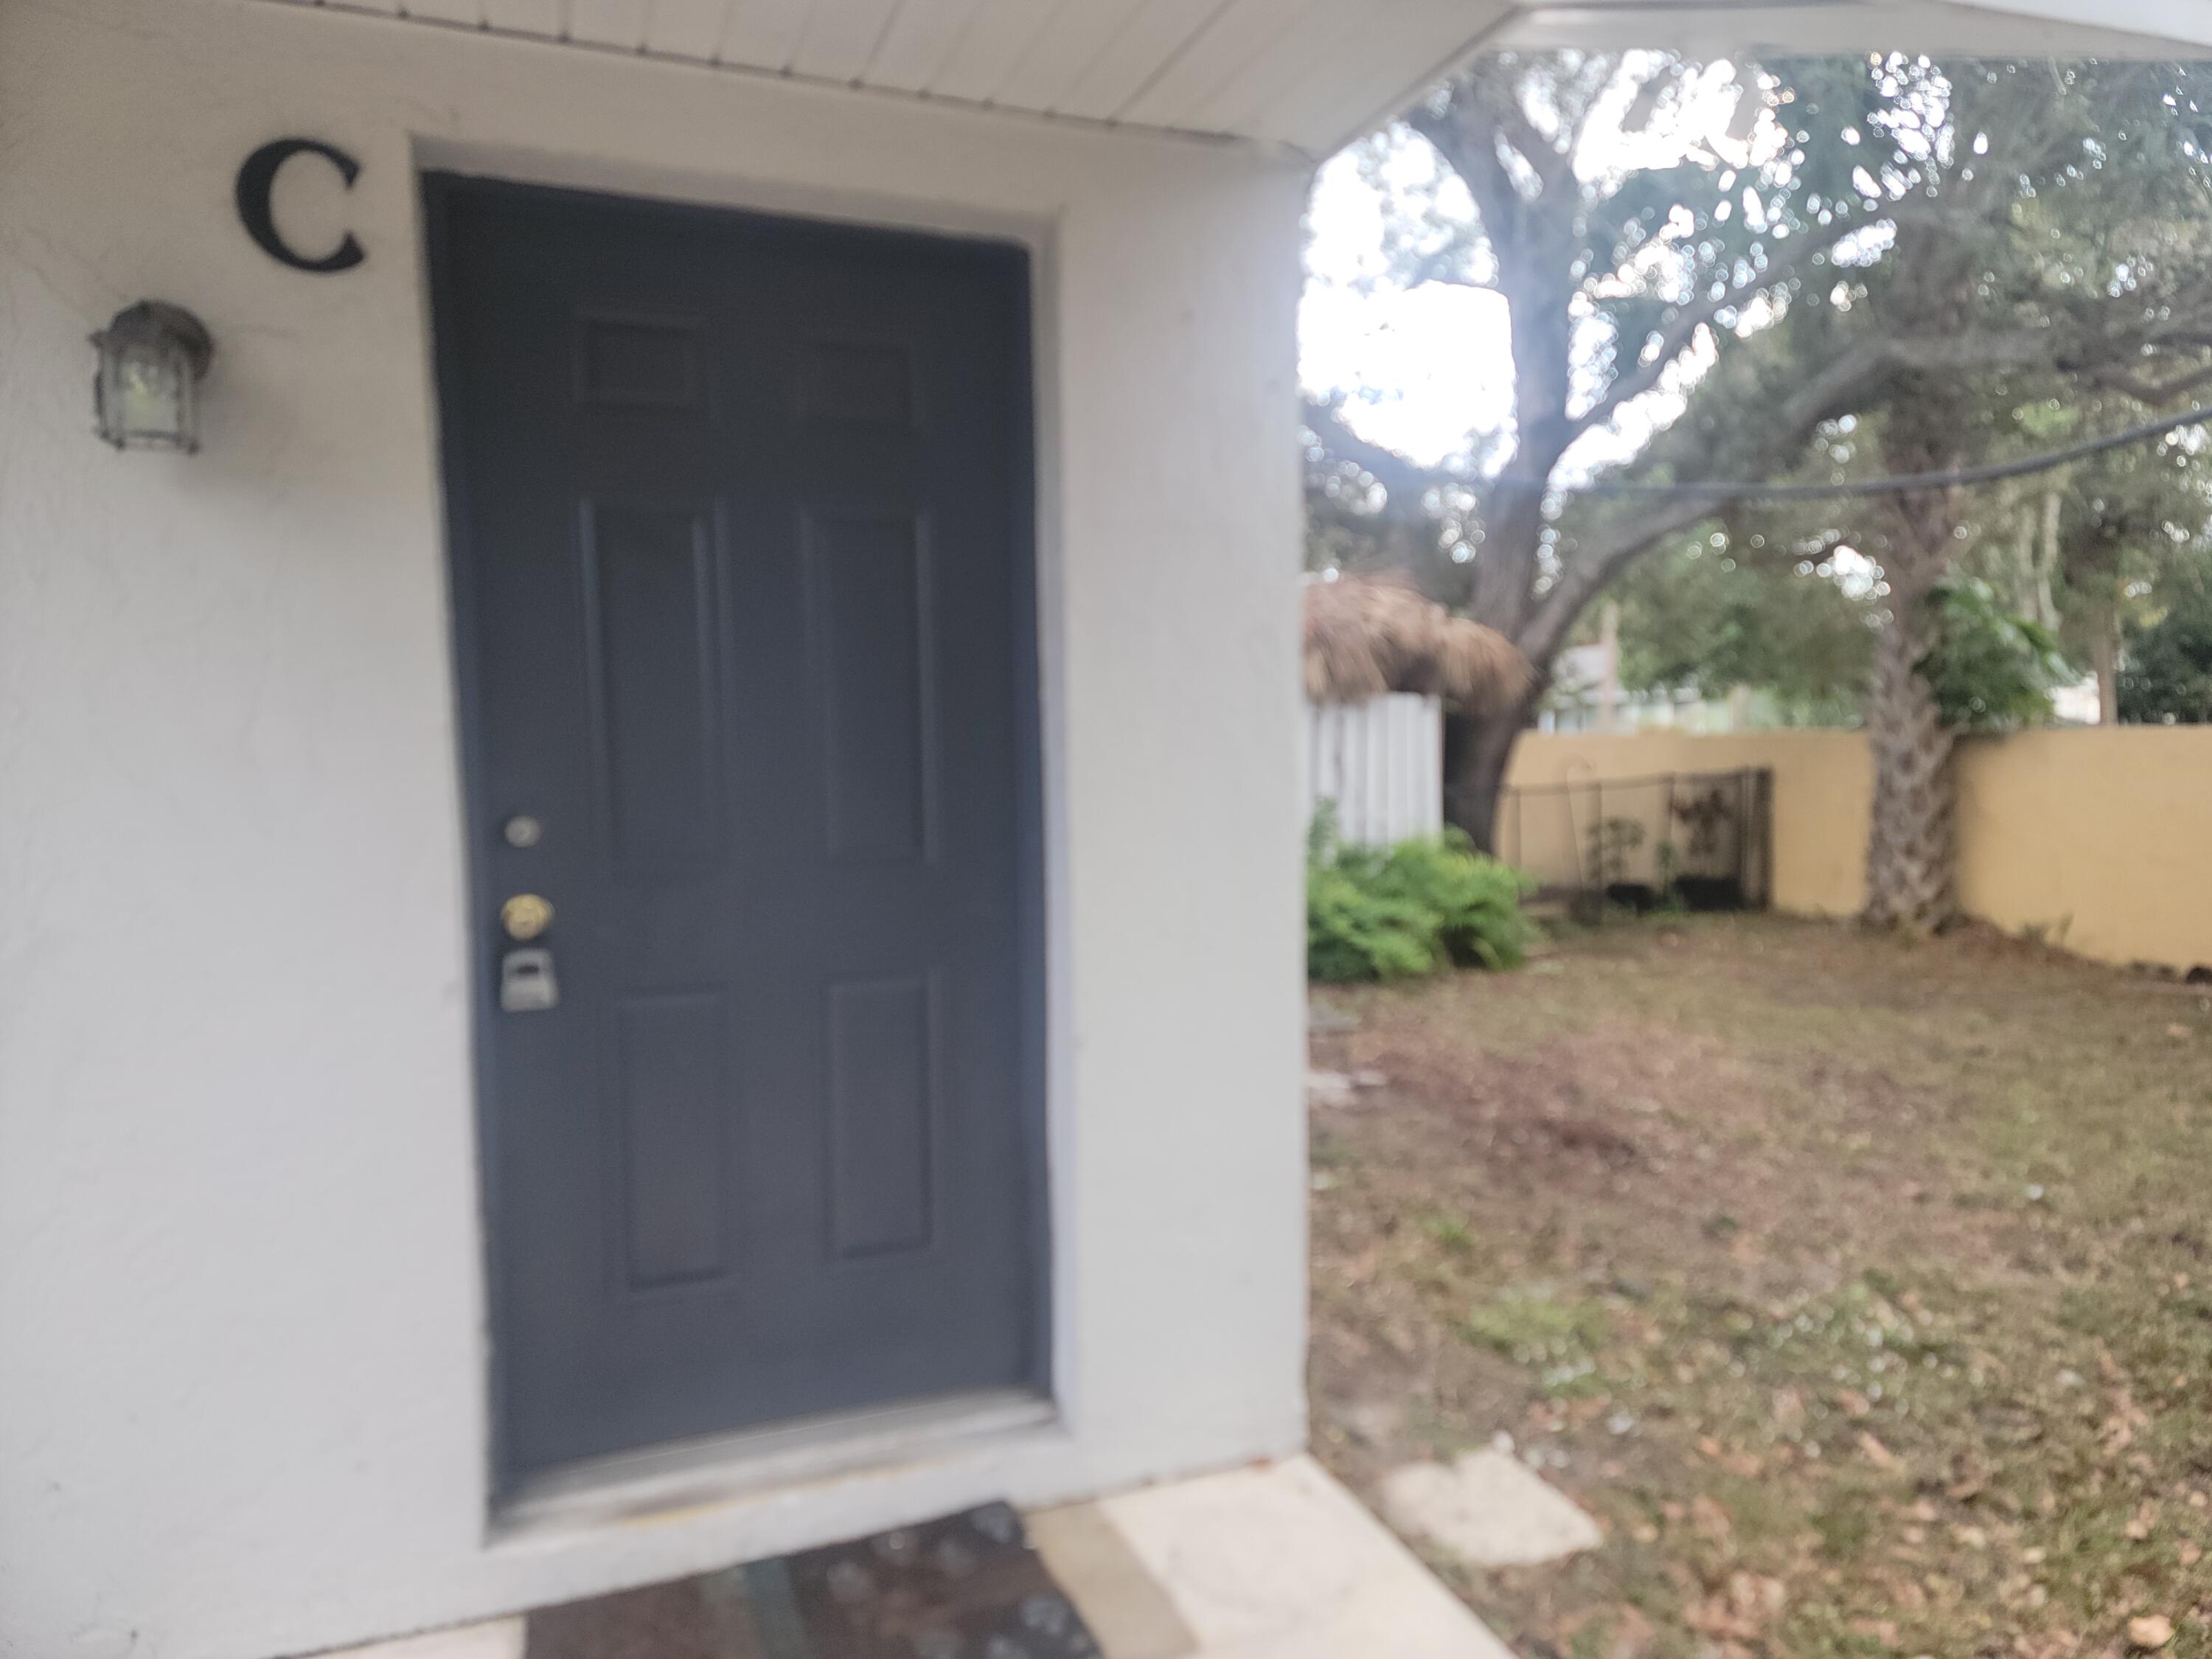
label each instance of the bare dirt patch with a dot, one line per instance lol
(1859, 1288)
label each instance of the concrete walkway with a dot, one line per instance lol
(1274, 1562)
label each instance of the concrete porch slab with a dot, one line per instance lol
(1270, 1562)
(495, 1638)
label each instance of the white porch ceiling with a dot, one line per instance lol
(1995, 29)
(1310, 74)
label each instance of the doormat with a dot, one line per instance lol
(970, 1586)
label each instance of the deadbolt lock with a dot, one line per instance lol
(527, 982)
(525, 916)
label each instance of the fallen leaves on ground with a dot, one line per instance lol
(2150, 1632)
(1864, 1292)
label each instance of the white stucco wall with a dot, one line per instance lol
(242, 1312)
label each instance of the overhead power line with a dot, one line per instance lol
(1899, 484)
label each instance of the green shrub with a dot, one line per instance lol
(1423, 905)
(1353, 933)
(1476, 900)
(1992, 670)
(2165, 673)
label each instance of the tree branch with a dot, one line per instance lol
(1842, 384)
(1470, 149)
(1596, 563)
(1402, 481)
(1646, 376)
(2151, 392)
(1544, 158)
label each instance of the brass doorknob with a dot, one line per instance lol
(525, 916)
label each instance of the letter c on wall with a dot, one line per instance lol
(257, 185)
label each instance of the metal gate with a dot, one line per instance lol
(1691, 841)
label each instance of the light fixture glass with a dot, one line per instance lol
(146, 395)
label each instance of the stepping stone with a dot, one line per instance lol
(1281, 1562)
(1489, 1509)
(1327, 1088)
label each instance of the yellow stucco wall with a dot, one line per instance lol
(2100, 838)
(2103, 838)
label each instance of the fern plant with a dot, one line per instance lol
(1423, 905)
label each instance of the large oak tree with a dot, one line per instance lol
(1905, 248)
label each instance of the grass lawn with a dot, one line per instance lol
(1862, 1290)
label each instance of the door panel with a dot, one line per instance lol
(742, 567)
(882, 1039)
(870, 595)
(656, 684)
(674, 1083)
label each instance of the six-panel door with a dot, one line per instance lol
(742, 562)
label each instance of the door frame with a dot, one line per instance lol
(442, 170)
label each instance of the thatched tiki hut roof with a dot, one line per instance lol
(1366, 636)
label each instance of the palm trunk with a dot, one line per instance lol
(1908, 850)
(1910, 881)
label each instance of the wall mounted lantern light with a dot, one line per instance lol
(152, 356)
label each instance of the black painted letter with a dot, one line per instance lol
(257, 182)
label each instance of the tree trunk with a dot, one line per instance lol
(1909, 868)
(1477, 750)
(2046, 563)
(1909, 852)
(2106, 651)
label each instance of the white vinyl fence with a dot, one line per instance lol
(1381, 761)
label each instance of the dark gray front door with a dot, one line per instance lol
(742, 567)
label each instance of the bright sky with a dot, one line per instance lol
(1435, 360)
(1424, 368)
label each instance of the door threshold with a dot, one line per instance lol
(657, 1483)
